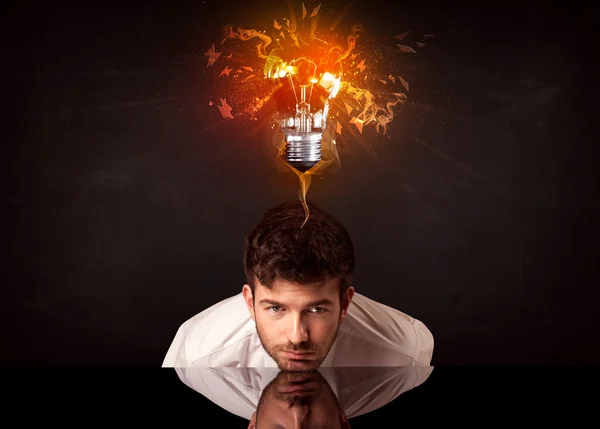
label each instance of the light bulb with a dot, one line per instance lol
(306, 78)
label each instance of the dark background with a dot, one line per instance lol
(128, 206)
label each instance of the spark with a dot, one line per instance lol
(225, 71)
(212, 56)
(225, 109)
(407, 49)
(404, 83)
(315, 11)
(403, 35)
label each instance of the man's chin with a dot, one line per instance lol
(297, 365)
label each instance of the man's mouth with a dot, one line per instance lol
(297, 355)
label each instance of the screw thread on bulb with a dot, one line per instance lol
(303, 154)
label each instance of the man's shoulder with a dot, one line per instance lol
(224, 309)
(213, 329)
(384, 330)
(363, 307)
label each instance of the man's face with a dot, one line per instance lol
(298, 400)
(297, 324)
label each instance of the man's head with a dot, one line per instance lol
(298, 283)
(299, 400)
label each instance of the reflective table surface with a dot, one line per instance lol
(327, 398)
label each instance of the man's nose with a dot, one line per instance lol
(297, 332)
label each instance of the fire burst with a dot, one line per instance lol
(311, 87)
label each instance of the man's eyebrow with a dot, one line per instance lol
(310, 304)
(270, 302)
(320, 302)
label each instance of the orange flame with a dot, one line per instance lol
(329, 156)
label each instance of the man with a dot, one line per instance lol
(298, 310)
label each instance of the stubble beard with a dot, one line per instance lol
(286, 365)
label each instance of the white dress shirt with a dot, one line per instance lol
(358, 390)
(372, 334)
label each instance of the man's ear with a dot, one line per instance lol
(345, 303)
(249, 299)
(252, 423)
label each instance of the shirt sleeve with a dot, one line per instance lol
(209, 331)
(385, 336)
(423, 345)
(176, 354)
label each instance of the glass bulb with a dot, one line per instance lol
(304, 84)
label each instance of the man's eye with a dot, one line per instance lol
(275, 309)
(317, 310)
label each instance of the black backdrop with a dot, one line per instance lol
(477, 214)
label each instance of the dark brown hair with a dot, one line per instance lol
(282, 246)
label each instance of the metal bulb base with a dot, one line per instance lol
(303, 152)
(302, 167)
